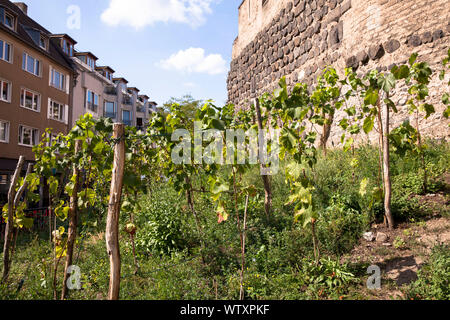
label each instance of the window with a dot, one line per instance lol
(5, 91)
(123, 87)
(90, 62)
(110, 109)
(3, 179)
(28, 136)
(5, 51)
(9, 21)
(4, 131)
(57, 79)
(56, 111)
(30, 100)
(43, 42)
(31, 65)
(68, 48)
(91, 101)
(264, 2)
(126, 117)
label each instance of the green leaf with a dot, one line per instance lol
(218, 124)
(387, 83)
(429, 109)
(348, 144)
(401, 73)
(363, 187)
(413, 58)
(371, 97)
(391, 104)
(368, 124)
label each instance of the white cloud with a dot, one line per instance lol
(141, 13)
(194, 60)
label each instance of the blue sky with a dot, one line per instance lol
(166, 48)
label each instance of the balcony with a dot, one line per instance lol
(111, 115)
(140, 109)
(127, 122)
(111, 91)
(92, 107)
(127, 101)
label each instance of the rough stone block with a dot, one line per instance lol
(392, 45)
(414, 41)
(352, 62)
(362, 57)
(437, 35)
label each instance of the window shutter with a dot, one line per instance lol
(66, 114)
(2, 15)
(66, 83)
(50, 76)
(49, 109)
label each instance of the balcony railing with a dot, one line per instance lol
(111, 115)
(140, 109)
(111, 91)
(92, 107)
(127, 122)
(127, 101)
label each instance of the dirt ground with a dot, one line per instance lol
(400, 253)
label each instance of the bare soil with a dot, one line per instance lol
(404, 252)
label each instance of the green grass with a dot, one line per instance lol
(279, 258)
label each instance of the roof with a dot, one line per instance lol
(120, 79)
(87, 53)
(64, 35)
(111, 70)
(25, 22)
(134, 89)
(153, 103)
(144, 96)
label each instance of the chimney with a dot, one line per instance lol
(22, 6)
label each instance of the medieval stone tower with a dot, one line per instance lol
(298, 38)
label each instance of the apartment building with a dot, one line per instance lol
(94, 92)
(35, 86)
(46, 83)
(133, 108)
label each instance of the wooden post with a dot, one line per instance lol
(73, 221)
(244, 234)
(386, 171)
(112, 220)
(10, 223)
(265, 178)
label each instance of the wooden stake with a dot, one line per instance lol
(386, 170)
(265, 178)
(112, 221)
(73, 221)
(10, 223)
(244, 233)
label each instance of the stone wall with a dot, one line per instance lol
(304, 36)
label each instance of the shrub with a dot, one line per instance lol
(161, 228)
(434, 278)
(341, 225)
